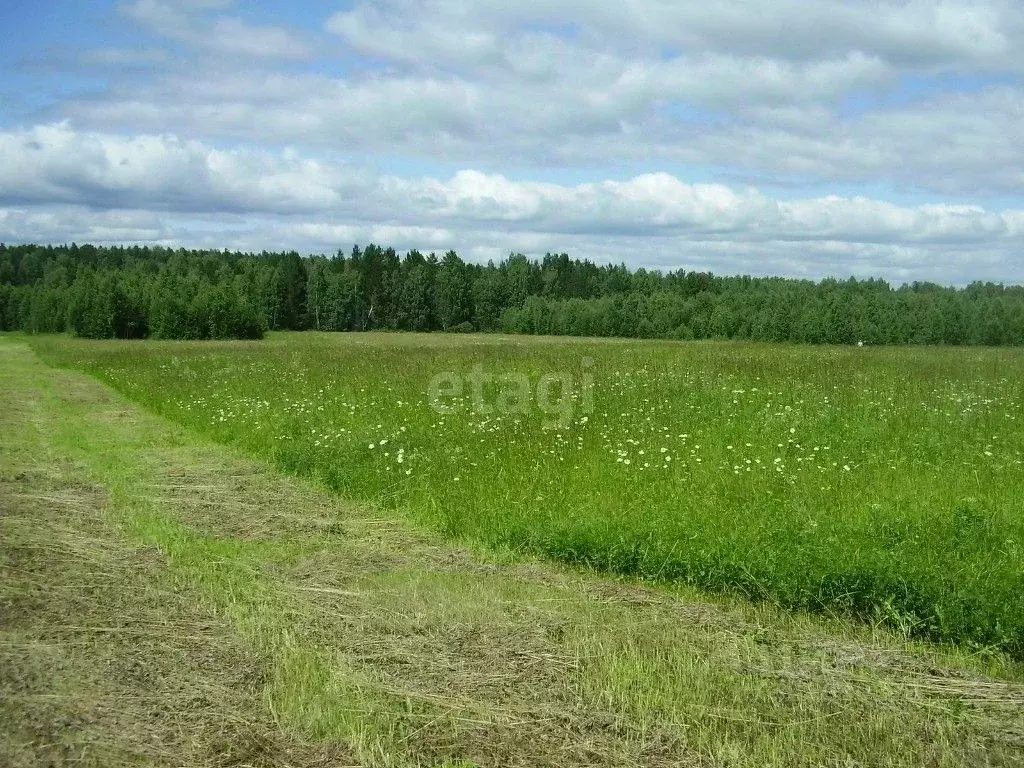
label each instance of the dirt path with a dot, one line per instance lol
(165, 601)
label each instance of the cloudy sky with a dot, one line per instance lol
(796, 137)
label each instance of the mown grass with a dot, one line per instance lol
(887, 484)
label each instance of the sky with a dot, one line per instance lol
(804, 138)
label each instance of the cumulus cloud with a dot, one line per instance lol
(746, 115)
(54, 163)
(266, 137)
(164, 182)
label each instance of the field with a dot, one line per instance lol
(886, 484)
(169, 600)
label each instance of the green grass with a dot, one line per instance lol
(887, 484)
(168, 601)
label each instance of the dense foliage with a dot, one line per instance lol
(134, 292)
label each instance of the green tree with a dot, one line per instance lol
(489, 298)
(317, 299)
(416, 304)
(452, 292)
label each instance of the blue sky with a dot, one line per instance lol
(801, 137)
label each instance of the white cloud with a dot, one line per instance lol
(53, 163)
(52, 174)
(897, 262)
(251, 134)
(58, 224)
(228, 35)
(746, 115)
(905, 32)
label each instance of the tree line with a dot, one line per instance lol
(140, 292)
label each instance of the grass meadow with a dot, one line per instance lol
(882, 483)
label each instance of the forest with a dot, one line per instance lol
(156, 292)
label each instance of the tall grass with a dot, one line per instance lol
(882, 483)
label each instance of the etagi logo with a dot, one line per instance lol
(558, 395)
